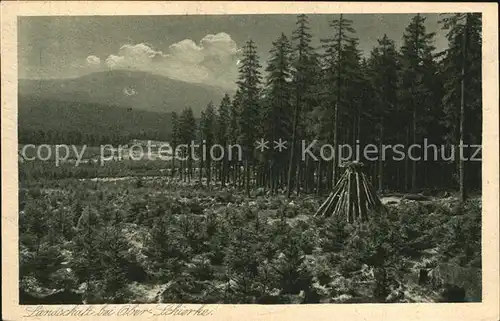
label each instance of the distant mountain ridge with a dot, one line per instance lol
(123, 88)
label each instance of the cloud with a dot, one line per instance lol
(93, 60)
(139, 56)
(212, 61)
(115, 61)
(186, 50)
(220, 44)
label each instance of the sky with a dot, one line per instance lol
(191, 48)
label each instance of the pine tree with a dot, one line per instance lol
(364, 124)
(187, 134)
(223, 128)
(417, 61)
(241, 260)
(249, 88)
(289, 265)
(304, 63)
(87, 244)
(234, 134)
(351, 96)
(384, 80)
(334, 78)
(209, 132)
(175, 140)
(167, 247)
(201, 139)
(462, 69)
(114, 249)
(277, 104)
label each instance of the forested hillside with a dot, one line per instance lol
(50, 121)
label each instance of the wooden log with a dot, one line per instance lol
(331, 201)
(352, 214)
(324, 208)
(344, 202)
(369, 202)
(359, 198)
(337, 209)
(369, 199)
(349, 199)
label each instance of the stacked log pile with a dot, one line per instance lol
(353, 197)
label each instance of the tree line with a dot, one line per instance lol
(336, 95)
(78, 137)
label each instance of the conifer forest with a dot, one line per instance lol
(276, 217)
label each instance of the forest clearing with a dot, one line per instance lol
(155, 239)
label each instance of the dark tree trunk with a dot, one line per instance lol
(462, 171)
(380, 160)
(318, 179)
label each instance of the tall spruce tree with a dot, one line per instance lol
(416, 63)
(303, 68)
(461, 66)
(222, 136)
(278, 107)
(201, 140)
(174, 140)
(384, 79)
(209, 132)
(335, 79)
(351, 95)
(187, 134)
(249, 81)
(234, 135)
